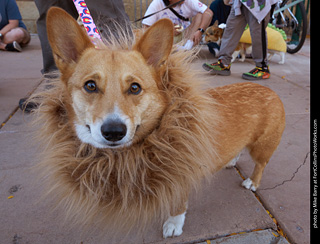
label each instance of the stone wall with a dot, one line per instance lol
(29, 14)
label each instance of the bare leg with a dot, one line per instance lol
(2, 46)
(17, 34)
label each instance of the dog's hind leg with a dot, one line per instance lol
(270, 55)
(235, 55)
(174, 224)
(282, 57)
(261, 152)
(253, 182)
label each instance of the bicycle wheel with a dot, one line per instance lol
(293, 21)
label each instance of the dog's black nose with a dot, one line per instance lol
(114, 131)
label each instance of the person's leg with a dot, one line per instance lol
(49, 67)
(12, 39)
(231, 36)
(229, 42)
(259, 47)
(47, 57)
(26, 39)
(259, 38)
(43, 7)
(16, 34)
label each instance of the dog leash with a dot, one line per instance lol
(92, 29)
(87, 19)
(168, 7)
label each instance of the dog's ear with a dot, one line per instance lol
(216, 23)
(67, 39)
(156, 43)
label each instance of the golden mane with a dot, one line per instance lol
(122, 188)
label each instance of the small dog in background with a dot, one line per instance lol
(213, 36)
(214, 33)
(242, 49)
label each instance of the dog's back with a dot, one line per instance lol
(251, 116)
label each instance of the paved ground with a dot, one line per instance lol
(222, 212)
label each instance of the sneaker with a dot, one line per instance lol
(217, 68)
(258, 73)
(26, 106)
(13, 47)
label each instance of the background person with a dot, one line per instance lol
(192, 30)
(256, 14)
(221, 10)
(13, 32)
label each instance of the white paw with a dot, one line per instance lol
(248, 184)
(173, 226)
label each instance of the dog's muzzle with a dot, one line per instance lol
(114, 131)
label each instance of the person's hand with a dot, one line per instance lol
(197, 37)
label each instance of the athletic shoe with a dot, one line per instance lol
(258, 73)
(217, 68)
(13, 47)
(27, 107)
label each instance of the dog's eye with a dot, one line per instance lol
(90, 86)
(135, 89)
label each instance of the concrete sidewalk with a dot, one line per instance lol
(222, 212)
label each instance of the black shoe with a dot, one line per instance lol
(13, 47)
(26, 106)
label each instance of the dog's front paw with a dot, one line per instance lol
(248, 184)
(173, 226)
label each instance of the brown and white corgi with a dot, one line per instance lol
(214, 34)
(128, 131)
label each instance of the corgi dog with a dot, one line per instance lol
(128, 130)
(214, 34)
(212, 37)
(243, 49)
